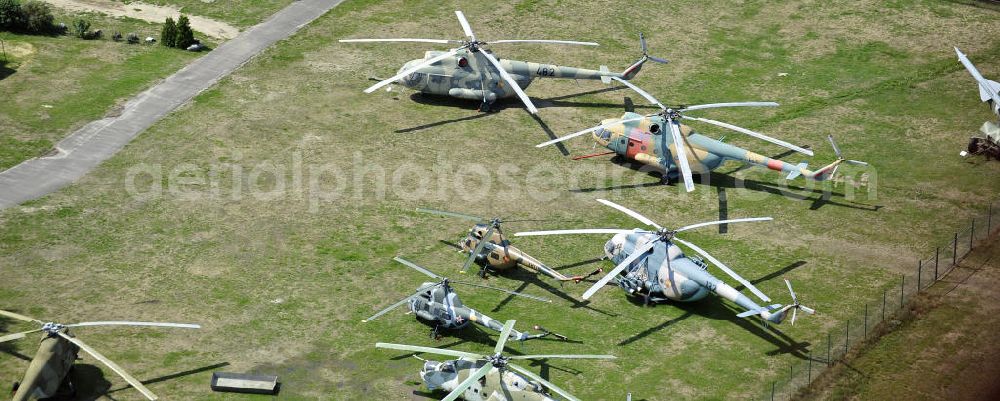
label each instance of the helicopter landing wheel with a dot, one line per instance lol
(486, 107)
(434, 333)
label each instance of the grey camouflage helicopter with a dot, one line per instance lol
(48, 375)
(471, 70)
(437, 303)
(476, 377)
(496, 253)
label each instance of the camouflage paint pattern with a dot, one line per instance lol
(49, 369)
(441, 305)
(496, 386)
(460, 76)
(666, 274)
(642, 141)
(500, 255)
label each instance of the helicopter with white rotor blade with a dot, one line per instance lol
(651, 265)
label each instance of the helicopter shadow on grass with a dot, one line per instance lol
(725, 181)
(107, 390)
(527, 278)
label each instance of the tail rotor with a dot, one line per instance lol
(795, 306)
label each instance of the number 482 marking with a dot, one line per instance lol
(546, 72)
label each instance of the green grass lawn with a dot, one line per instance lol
(56, 84)
(281, 282)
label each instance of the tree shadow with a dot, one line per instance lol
(5, 70)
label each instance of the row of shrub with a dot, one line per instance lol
(31, 17)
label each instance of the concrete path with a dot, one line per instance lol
(99, 140)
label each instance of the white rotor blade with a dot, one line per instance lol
(19, 316)
(143, 324)
(790, 291)
(465, 384)
(556, 42)
(636, 254)
(712, 223)
(807, 309)
(753, 134)
(729, 104)
(681, 150)
(725, 268)
(418, 40)
(531, 375)
(502, 290)
(641, 92)
(428, 350)
(465, 25)
(579, 231)
(510, 81)
(836, 149)
(794, 310)
(117, 369)
(856, 162)
(398, 304)
(414, 266)
(645, 220)
(17, 336)
(563, 357)
(426, 63)
(578, 133)
(504, 335)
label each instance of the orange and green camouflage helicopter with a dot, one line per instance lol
(496, 253)
(48, 375)
(652, 140)
(471, 71)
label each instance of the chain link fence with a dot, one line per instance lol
(879, 314)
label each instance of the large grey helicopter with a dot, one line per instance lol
(437, 303)
(476, 377)
(653, 267)
(471, 71)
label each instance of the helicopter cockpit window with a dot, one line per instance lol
(448, 367)
(603, 133)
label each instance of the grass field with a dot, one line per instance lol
(281, 280)
(55, 84)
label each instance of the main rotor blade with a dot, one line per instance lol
(790, 291)
(117, 369)
(588, 130)
(725, 268)
(429, 350)
(400, 303)
(143, 324)
(753, 134)
(414, 266)
(636, 254)
(465, 384)
(417, 40)
(836, 149)
(555, 42)
(504, 335)
(426, 63)
(479, 248)
(681, 150)
(579, 231)
(17, 336)
(19, 316)
(645, 220)
(510, 81)
(502, 290)
(728, 104)
(641, 92)
(713, 223)
(451, 214)
(465, 26)
(563, 357)
(531, 375)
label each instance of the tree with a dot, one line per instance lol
(168, 36)
(11, 15)
(37, 16)
(81, 28)
(185, 36)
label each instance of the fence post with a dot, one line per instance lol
(920, 272)
(972, 234)
(989, 220)
(829, 346)
(883, 305)
(866, 320)
(809, 376)
(902, 285)
(772, 390)
(847, 336)
(937, 257)
(954, 250)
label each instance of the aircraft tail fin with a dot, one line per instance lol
(605, 78)
(634, 69)
(794, 174)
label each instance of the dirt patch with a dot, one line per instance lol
(149, 12)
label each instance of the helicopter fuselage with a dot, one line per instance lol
(499, 254)
(48, 371)
(446, 376)
(643, 141)
(469, 75)
(666, 274)
(441, 306)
